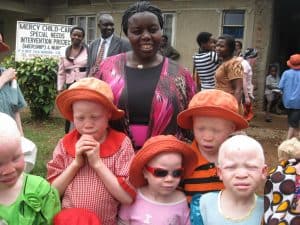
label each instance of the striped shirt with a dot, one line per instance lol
(204, 178)
(205, 65)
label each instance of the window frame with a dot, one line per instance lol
(86, 27)
(173, 26)
(237, 25)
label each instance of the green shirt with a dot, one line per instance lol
(36, 204)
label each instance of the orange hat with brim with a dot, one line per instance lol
(212, 103)
(3, 47)
(294, 62)
(89, 89)
(155, 146)
(76, 216)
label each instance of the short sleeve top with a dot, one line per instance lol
(37, 203)
(226, 72)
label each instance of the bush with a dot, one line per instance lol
(37, 79)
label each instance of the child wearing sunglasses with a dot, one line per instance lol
(156, 171)
(213, 115)
(242, 168)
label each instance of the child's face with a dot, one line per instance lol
(211, 132)
(90, 118)
(164, 186)
(11, 161)
(273, 71)
(242, 171)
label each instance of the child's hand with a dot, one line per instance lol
(93, 154)
(84, 144)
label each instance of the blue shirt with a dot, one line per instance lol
(205, 210)
(290, 85)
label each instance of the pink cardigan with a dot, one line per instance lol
(69, 72)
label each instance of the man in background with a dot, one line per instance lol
(106, 45)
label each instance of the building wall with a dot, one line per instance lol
(192, 17)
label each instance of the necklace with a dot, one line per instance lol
(233, 218)
(140, 66)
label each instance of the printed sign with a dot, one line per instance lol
(41, 39)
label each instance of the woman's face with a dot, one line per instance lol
(76, 37)
(222, 48)
(144, 34)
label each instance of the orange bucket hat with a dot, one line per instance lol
(90, 89)
(294, 62)
(153, 147)
(76, 216)
(212, 103)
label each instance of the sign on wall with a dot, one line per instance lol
(41, 39)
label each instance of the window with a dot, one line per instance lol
(169, 24)
(233, 23)
(88, 23)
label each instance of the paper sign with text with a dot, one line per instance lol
(35, 39)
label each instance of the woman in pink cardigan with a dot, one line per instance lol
(72, 64)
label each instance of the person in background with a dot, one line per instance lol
(238, 48)
(150, 88)
(290, 86)
(248, 97)
(90, 164)
(108, 44)
(156, 171)
(11, 97)
(72, 64)
(213, 116)
(242, 168)
(205, 62)
(282, 189)
(24, 198)
(167, 50)
(213, 44)
(272, 91)
(229, 75)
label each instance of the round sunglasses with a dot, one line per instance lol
(159, 172)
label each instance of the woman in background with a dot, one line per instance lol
(229, 75)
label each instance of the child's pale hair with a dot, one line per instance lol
(289, 149)
(8, 127)
(241, 143)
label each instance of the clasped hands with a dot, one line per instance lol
(87, 150)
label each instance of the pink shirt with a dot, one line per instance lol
(146, 211)
(69, 72)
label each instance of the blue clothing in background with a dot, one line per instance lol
(290, 85)
(11, 99)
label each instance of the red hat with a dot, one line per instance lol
(3, 47)
(294, 62)
(212, 103)
(76, 216)
(90, 89)
(153, 147)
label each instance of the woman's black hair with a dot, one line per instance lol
(142, 6)
(78, 28)
(203, 37)
(230, 42)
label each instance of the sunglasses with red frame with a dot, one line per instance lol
(159, 172)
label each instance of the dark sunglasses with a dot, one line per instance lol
(159, 172)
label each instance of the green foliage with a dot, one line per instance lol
(37, 79)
